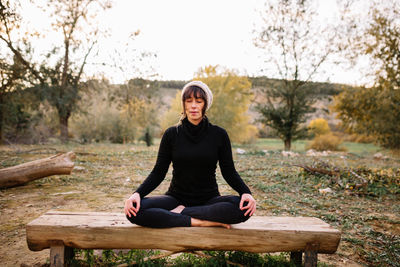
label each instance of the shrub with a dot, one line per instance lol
(319, 126)
(360, 138)
(326, 142)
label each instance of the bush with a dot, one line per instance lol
(360, 138)
(319, 126)
(326, 142)
(105, 124)
(30, 126)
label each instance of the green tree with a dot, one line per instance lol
(14, 70)
(59, 84)
(296, 46)
(375, 110)
(11, 79)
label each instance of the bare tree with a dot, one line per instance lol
(64, 80)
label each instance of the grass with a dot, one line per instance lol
(207, 258)
(369, 219)
(275, 144)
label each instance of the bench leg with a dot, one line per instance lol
(60, 254)
(296, 257)
(311, 255)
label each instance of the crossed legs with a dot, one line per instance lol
(166, 211)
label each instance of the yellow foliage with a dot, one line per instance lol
(325, 142)
(232, 97)
(172, 116)
(319, 126)
(360, 138)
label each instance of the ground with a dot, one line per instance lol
(106, 174)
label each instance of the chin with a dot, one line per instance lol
(195, 118)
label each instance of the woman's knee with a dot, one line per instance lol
(240, 215)
(131, 218)
(234, 213)
(138, 219)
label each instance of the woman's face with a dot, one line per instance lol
(193, 109)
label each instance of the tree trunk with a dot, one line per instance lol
(23, 173)
(288, 144)
(1, 118)
(63, 127)
(1, 124)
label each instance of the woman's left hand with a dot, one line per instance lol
(251, 204)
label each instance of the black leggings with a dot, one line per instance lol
(155, 212)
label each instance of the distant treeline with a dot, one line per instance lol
(319, 88)
(172, 84)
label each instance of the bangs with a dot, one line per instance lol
(196, 91)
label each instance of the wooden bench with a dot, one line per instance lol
(62, 231)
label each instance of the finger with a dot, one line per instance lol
(126, 208)
(127, 212)
(137, 206)
(250, 210)
(253, 210)
(247, 206)
(133, 208)
(247, 212)
(132, 211)
(241, 204)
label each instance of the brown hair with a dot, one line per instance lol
(197, 93)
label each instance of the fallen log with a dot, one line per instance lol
(23, 173)
(335, 175)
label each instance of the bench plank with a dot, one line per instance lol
(99, 230)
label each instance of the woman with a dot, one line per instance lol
(194, 147)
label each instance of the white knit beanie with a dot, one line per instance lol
(204, 87)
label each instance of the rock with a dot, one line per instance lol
(127, 180)
(325, 191)
(313, 153)
(240, 151)
(66, 193)
(289, 154)
(79, 168)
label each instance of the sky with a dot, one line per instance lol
(185, 35)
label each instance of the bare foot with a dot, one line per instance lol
(204, 223)
(178, 209)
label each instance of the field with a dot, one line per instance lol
(106, 174)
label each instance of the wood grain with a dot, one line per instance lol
(97, 230)
(23, 173)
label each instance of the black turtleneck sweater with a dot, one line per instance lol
(194, 151)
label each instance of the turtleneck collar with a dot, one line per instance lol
(195, 132)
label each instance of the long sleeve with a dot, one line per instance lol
(160, 169)
(228, 168)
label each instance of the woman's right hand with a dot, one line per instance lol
(131, 209)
